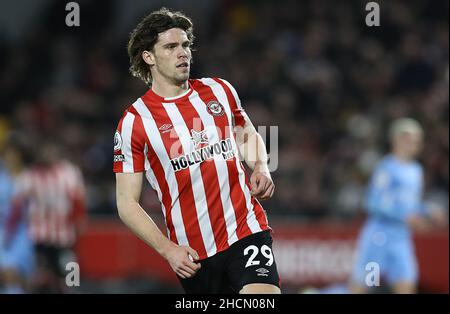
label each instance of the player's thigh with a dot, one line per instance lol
(47, 259)
(251, 265)
(263, 288)
(403, 271)
(404, 287)
(26, 256)
(20, 256)
(369, 264)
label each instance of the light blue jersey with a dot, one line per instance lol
(16, 250)
(394, 193)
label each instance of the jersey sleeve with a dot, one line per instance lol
(237, 111)
(129, 145)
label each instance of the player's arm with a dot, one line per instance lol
(128, 190)
(435, 213)
(252, 148)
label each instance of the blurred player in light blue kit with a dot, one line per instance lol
(17, 262)
(395, 209)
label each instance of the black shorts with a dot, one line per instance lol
(53, 259)
(249, 260)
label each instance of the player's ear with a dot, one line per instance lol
(148, 57)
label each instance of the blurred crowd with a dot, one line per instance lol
(313, 68)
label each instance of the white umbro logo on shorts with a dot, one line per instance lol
(262, 272)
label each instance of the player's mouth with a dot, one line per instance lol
(183, 65)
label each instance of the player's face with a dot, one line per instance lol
(172, 56)
(410, 144)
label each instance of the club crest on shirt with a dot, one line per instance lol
(215, 108)
(117, 141)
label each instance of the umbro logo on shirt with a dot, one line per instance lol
(119, 158)
(165, 128)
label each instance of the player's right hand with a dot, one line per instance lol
(418, 223)
(179, 258)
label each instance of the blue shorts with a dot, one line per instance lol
(392, 251)
(19, 254)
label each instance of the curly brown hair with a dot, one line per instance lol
(145, 36)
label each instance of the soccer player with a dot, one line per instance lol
(395, 211)
(185, 134)
(17, 260)
(55, 192)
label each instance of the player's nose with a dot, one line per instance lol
(183, 57)
(183, 53)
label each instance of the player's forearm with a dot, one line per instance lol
(253, 150)
(144, 227)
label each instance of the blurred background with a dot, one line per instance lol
(313, 68)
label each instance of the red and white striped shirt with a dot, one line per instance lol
(187, 148)
(56, 202)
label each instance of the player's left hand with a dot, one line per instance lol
(261, 183)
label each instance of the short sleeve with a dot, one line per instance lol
(237, 110)
(129, 145)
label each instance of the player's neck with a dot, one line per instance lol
(168, 90)
(402, 157)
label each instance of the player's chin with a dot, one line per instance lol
(182, 77)
(183, 72)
